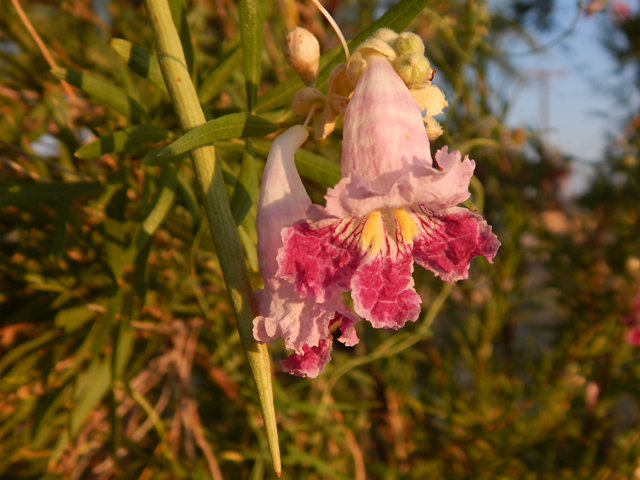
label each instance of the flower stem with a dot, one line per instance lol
(223, 229)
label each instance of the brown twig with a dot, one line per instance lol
(43, 48)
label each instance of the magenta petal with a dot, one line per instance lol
(382, 291)
(320, 257)
(448, 240)
(311, 362)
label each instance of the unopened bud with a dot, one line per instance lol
(302, 51)
(413, 68)
(408, 42)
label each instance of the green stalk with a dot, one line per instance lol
(221, 223)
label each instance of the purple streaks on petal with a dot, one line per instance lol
(319, 258)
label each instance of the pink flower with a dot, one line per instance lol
(303, 323)
(632, 335)
(391, 207)
(621, 11)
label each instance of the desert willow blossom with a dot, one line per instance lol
(392, 206)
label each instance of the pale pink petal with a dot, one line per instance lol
(448, 240)
(301, 322)
(383, 128)
(283, 199)
(440, 188)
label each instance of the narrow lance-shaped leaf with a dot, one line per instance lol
(246, 188)
(234, 125)
(31, 194)
(140, 61)
(252, 14)
(107, 93)
(132, 139)
(191, 201)
(160, 206)
(60, 227)
(215, 81)
(114, 229)
(397, 18)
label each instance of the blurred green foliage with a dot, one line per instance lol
(119, 353)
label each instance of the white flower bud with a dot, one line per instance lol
(302, 51)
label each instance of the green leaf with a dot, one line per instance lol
(31, 194)
(47, 416)
(151, 158)
(114, 229)
(249, 248)
(160, 206)
(108, 94)
(132, 139)
(190, 199)
(124, 347)
(397, 18)
(140, 271)
(60, 227)
(477, 193)
(229, 126)
(22, 373)
(252, 13)
(218, 77)
(21, 350)
(310, 165)
(246, 187)
(93, 386)
(73, 318)
(179, 16)
(469, 204)
(140, 61)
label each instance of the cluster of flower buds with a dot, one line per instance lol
(405, 53)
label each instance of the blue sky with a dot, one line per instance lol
(584, 112)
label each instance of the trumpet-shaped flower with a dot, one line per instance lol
(302, 322)
(392, 206)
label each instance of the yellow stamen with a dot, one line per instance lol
(373, 232)
(408, 227)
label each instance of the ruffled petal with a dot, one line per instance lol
(448, 240)
(320, 257)
(301, 322)
(372, 256)
(443, 187)
(382, 291)
(310, 363)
